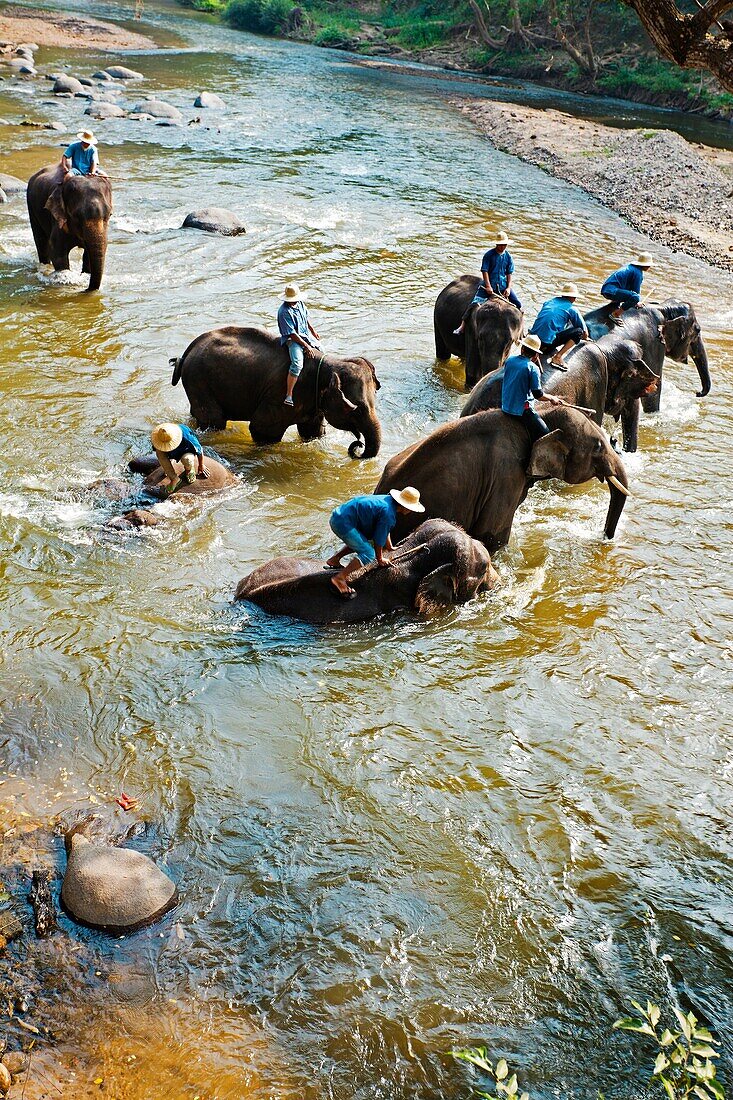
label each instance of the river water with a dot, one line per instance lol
(492, 827)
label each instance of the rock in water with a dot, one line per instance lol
(44, 909)
(3, 196)
(158, 109)
(68, 84)
(5, 1079)
(11, 185)
(102, 110)
(15, 1062)
(209, 99)
(114, 889)
(215, 219)
(119, 72)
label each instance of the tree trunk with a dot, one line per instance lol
(687, 40)
(483, 30)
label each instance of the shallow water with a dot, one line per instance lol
(496, 826)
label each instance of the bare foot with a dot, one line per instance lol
(555, 362)
(334, 562)
(343, 589)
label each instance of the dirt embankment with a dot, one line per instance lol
(55, 28)
(674, 192)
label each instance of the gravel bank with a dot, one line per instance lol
(55, 28)
(674, 192)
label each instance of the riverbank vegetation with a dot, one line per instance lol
(599, 46)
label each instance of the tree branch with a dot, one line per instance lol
(483, 30)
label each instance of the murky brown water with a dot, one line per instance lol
(494, 827)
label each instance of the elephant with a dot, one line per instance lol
(67, 213)
(219, 477)
(239, 373)
(607, 377)
(489, 332)
(476, 471)
(438, 565)
(669, 329)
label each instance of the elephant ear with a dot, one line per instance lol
(436, 590)
(55, 206)
(549, 455)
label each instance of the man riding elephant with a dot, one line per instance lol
(623, 287)
(559, 325)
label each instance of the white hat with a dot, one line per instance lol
(292, 294)
(568, 290)
(644, 259)
(409, 498)
(501, 238)
(87, 135)
(532, 342)
(166, 437)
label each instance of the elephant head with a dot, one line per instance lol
(347, 391)
(629, 377)
(577, 450)
(466, 570)
(81, 207)
(491, 329)
(680, 330)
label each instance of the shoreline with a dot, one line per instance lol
(66, 30)
(677, 194)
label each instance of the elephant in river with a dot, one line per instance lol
(607, 377)
(670, 329)
(219, 478)
(70, 212)
(476, 471)
(236, 373)
(435, 567)
(489, 332)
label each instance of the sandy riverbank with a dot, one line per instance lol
(676, 193)
(67, 30)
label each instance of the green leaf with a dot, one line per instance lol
(502, 1069)
(684, 1023)
(511, 1085)
(477, 1056)
(630, 1024)
(638, 1007)
(668, 1087)
(703, 1034)
(703, 1051)
(661, 1063)
(700, 1092)
(524, 1096)
(653, 1013)
(668, 1037)
(692, 1020)
(716, 1088)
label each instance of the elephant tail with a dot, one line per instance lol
(176, 362)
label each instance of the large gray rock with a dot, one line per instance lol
(102, 74)
(22, 65)
(102, 110)
(32, 46)
(3, 196)
(209, 99)
(114, 889)
(215, 219)
(119, 72)
(158, 109)
(11, 185)
(68, 84)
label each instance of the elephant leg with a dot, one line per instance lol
(207, 412)
(442, 351)
(60, 247)
(40, 237)
(630, 426)
(309, 430)
(651, 401)
(86, 266)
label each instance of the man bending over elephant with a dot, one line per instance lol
(364, 524)
(177, 442)
(623, 287)
(559, 325)
(522, 383)
(297, 333)
(497, 268)
(81, 157)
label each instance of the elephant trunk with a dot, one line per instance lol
(372, 433)
(700, 359)
(618, 487)
(95, 248)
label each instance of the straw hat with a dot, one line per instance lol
(644, 259)
(166, 437)
(533, 342)
(87, 135)
(501, 238)
(292, 294)
(409, 498)
(568, 290)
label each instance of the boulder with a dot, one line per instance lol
(22, 65)
(215, 219)
(11, 185)
(3, 196)
(158, 109)
(15, 1062)
(119, 72)
(86, 81)
(32, 46)
(102, 74)
(209, 99)
(5, 1079)
(68, 84)
(115, 889)
(102, 110)
(138, 517)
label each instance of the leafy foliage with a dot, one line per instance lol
(503, 1084)
(259, 16)
(684, 1065)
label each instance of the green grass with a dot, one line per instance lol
(259, 16)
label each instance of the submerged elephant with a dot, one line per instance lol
(438, 565)
(237, 373)
(219, 478)
(669, 329)
(70, 212)
(607, 377)
(475, 472)
(489, 332)
(115, 889)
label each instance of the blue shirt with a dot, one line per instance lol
(555, 316)
(522, 383)
(372, 516)
(293, 317)
(498, 266)
(82, 159)
(624, 284)
(188, 445)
